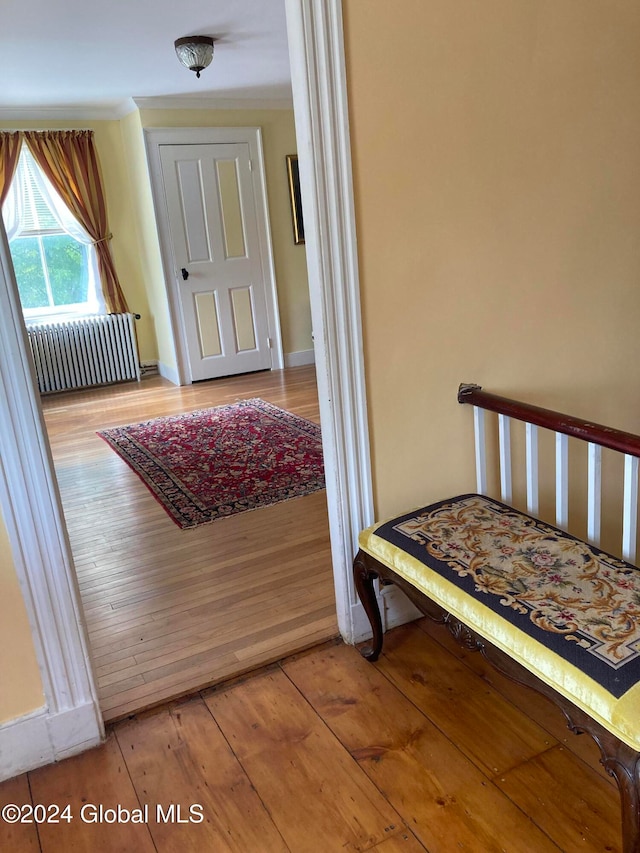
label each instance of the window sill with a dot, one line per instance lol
(68, 317)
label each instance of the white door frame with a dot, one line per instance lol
(316, 50)
(252, 136)
(70, 720)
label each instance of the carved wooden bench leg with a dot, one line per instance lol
(623, 763)
(364, 578)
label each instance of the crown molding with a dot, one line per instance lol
(69, 112)
(120, 109)
(197, 102)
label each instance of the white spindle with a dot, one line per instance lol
(504, 429)
(532, 468)
(562, 480)
(481, 453)
(630, 510)
(594, 495)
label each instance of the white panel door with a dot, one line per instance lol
(216, 251)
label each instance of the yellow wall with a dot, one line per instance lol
(154, 338)
(279, 139)
(20, 681)
(496, 167)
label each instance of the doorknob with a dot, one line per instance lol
(185, 273)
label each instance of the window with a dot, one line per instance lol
(54, 259)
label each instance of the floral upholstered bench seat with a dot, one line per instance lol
(567, 613)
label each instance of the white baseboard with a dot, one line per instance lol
(170, 373)
(291, 359)
(360, 625)
(395, 609)
(42, 738)
(297, 359)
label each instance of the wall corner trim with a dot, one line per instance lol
(32, 512)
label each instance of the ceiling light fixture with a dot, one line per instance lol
(195, 52)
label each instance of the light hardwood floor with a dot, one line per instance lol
(170, 611)
(324, 753)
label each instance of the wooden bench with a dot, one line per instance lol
(545, 608)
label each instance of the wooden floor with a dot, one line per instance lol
(170, 611)
(424, 750)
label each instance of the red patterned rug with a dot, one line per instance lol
(217, 462)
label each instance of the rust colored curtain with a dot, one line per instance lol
(10, 144)
(68, 158)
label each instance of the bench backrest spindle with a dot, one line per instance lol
(506, 489)
(562, 481)
(594, 493)
(630, 511)
(532, 468)
(481, 451)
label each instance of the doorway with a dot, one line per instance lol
(27, 490)
(169, 611)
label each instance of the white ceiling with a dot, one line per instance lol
(99, 54)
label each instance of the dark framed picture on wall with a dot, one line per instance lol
(296, 200)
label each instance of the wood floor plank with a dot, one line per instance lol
(21, 837)
(171, 594)
(421, 772)
(292, 758)
(161, 654)
(240, 646)
(213, 624)
(569, 800)
(199, 576)
(441, 685)
(180, 756)
(278, 642)
(124, 702)
(118, 699)
(120, 579)
(403, 842)
(86, 782)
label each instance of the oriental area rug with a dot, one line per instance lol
(213, 463)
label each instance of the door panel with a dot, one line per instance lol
(208, 326)
(214, 235)
(231, 210)
(193, 212)
(243, 318)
